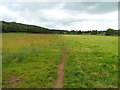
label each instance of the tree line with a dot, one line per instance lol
(8, 27)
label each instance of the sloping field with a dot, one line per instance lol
(33, 61)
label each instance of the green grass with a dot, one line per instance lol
(33, 65)
(31, 60)
(0, 61)
(92, 62)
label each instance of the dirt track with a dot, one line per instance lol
(60, 78)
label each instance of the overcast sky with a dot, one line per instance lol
(64, 15)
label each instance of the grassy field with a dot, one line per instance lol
(32, 60)
(92, 62)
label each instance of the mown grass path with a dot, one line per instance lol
(60, 77)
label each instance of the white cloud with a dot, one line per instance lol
(102, 17)
(5, 13)
(89, 25)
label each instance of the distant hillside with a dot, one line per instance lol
(18, 27)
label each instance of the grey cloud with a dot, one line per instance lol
(31, 6)
(87, 7)
(92, 7)
(32, 12)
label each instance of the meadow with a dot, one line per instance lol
(32, 60)
(91, 62)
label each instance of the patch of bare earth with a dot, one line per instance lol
(13, 81)
(60, 78)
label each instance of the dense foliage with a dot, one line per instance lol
(18, 27)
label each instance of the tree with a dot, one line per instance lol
(72, 32)
(110, 32)
(94, 32)
(79, 32)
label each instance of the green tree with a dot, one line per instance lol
(110, 32)
(94, 32)
(79, 32)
